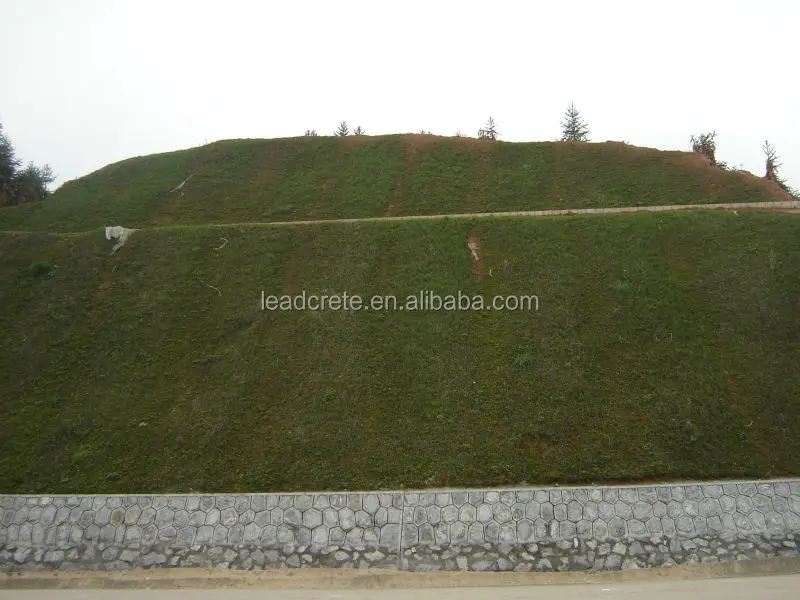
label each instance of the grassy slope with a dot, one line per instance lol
(666, 347)
(301, 178)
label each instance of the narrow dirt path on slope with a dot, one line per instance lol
(779, 206)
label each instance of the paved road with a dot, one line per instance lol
(770, 587)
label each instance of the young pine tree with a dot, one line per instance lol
(489, 131)
(573, 127)
(773, 164)
(706, 144)
(343, 129)
(359, 131)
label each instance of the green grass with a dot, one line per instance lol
(665, 347)
(325, 177)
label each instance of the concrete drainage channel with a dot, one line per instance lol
(530, 529)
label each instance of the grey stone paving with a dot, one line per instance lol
(520, 529)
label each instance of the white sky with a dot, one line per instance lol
(89, 82)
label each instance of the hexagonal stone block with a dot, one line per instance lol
(701, 525)
(584, 529)
(286, 534)
(524, 496)
(758, 521)
(653, 525)
(727, 504)
(605, 511)
(600, 529)
(581, 496)
(693, 492)
(434, 514)
(458, 533)
(668, 526)
(622, 510)
(560, 512)
(636, 527)
(765, 489)
(312, 518)
(269, 536)
(337, 535)
(617, 528)
(354, 537)
(427, 499)
(319, 536)
(164, 517)
(508, 533)
(744, 504)
(252, 533)
(782, 489)
(303, 502)
(390, 535)
(371, 503)
(467, 513)
(647, 494)
(442, 531)
(427, 535)
(476, 533)
(642, 510)
(204, 534)
(747, 489)
(460, 498)
(574, 511)
(501, 513)
(492, 532)
(212, 516)
(685, 525)
(710, 507)
(743, 524)
(347, 519)
(484, 513)
(762, 503)
(675, 509)
(331, 517)
(229, 517)
(292, 516)
(525, 532)
(590, 512)
(449, 514)
(181, 518)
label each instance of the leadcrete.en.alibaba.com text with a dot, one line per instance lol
(422, 301)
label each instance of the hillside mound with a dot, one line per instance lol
(241, 181)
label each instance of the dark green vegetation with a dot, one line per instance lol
(327, 177)
(666, 345)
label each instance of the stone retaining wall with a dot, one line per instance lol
(511, 529)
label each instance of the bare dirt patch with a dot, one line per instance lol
(476, 255)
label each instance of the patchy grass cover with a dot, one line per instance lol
(665, 347)
(324, 177)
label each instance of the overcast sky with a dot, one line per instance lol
(89, 82)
